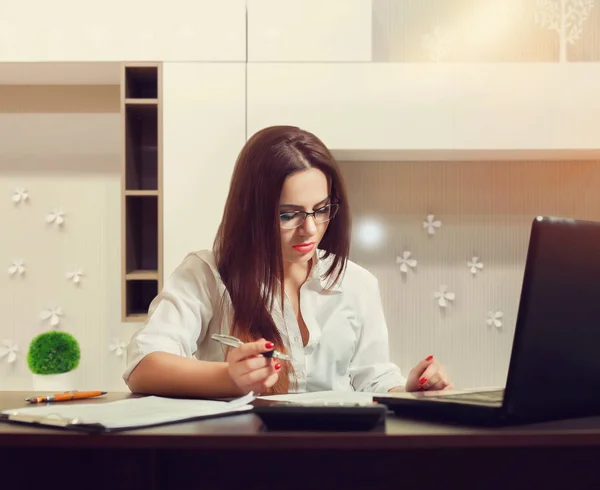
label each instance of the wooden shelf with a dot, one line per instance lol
(142, 275)
(141, 101)
(142, 193)
(141, 196)
(135, 317)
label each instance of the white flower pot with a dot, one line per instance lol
(56, 383)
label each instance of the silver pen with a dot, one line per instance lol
(235, 342)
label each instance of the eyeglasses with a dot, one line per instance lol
(296, 218)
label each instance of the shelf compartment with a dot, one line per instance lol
(141, 147)
(141, 238)
(141, 82)
(140, 294)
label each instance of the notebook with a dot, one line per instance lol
(554, 370)
(131, 413)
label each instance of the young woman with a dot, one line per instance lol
(278, 277)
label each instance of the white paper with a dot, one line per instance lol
(136, 412)
(323, 397)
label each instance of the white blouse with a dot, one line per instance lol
(347, 348)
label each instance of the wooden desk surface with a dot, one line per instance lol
(244, 432)
(233, 452)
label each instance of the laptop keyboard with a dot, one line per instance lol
(493, 397)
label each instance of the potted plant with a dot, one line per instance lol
(52, 358)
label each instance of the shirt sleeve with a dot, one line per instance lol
(370, 368)
(178, 315)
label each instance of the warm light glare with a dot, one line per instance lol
(490, 23)
(370, 233)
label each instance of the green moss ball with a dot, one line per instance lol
(53, 353)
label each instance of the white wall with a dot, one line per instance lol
(68, 160)
(485, 209)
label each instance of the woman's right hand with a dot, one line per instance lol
(250, 370)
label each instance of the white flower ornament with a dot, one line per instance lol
(443, 296)
(405, 262)
(9, 350)
(431, 224)
(17, 268)
(53, 315)
(20, 195)
(494, 318)
(117, 347)
(474, 265)
(75, 275)
(57, 216)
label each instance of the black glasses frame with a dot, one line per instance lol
(334, 207)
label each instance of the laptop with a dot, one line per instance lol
(554, 369)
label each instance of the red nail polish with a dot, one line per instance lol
(269, 345)
(429, 358)
(422, 381)
(277, 366)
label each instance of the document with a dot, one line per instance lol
(131, 413)
(323, 397)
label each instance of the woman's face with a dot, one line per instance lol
(307, 190)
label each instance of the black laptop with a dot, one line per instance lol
(554, 370)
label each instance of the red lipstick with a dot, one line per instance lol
(304, 247)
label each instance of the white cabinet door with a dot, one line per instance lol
(203, 132)
(375, 111)
(131, 30)
(354, 106)
(310, 30)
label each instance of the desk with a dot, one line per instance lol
(233, 452)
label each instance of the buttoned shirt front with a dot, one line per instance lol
(347, 348)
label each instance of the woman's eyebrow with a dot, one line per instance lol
(295, 206)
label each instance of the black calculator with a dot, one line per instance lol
(326, 416)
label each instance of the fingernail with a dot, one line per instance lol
(277, 366)
(269, 345)
(422, 381)
(429, 358)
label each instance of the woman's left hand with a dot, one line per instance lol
(428, 375)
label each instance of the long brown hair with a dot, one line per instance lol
(247, 246)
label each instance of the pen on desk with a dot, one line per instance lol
(63, 397)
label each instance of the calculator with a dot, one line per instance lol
(321, 416)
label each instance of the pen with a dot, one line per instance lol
(235, 342)
(66, 396)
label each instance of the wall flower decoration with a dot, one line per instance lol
(431, 224)
(52, 315)
(474, 265)
(9, 351)
(75, 276)
(494, 318)
(17, 268)
(443, 296)
(57, 217)
(405, 262)
(20, 195)
(117, 347)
